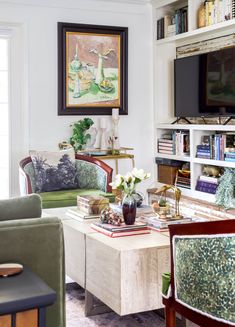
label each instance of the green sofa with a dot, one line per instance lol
(93, 177)
(37, 243)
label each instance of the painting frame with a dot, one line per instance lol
(120, 83)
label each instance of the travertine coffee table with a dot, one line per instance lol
(124, 273)
(75, 243)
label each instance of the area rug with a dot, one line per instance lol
(75, 301)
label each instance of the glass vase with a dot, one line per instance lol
(129, 209)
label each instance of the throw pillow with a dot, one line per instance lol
(54, 170)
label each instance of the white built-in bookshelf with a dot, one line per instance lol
(196, 132)
(164, 54)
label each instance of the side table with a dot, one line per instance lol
(23, 300)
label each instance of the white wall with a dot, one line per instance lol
(39, 20)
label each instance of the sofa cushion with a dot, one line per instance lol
(68, 198)
(54, 170)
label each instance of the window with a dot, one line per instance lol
(4, 118)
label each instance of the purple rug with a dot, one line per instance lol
(75, 300)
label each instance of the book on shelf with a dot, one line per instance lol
(206, 186)
(233, 9)
(120, 233)
(176, 143)
(172, 24)
(210, 179)
(80, 215)
(230, 159)
(218, 11)
(216, 146)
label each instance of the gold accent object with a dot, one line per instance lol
(177, 192)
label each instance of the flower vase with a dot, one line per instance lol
(129, 209)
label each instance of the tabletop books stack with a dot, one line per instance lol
(120, 231)
(161, 225)
(88, 207)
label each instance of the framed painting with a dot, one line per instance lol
(92, 69)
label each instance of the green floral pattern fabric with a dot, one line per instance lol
(205, 274)
(90, 176)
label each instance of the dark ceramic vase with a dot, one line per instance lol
(129, 209)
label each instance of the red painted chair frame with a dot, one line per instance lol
(171, 305)
(95, 161)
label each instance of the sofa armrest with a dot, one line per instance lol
(29, 206)
(39, 244)
(93, 173)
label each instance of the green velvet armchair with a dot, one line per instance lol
(36, 243)
(93, 178)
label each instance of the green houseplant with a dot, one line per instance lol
(80, 136)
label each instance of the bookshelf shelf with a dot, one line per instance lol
(173, 157)
(196, 164)
(199, 32)
(220, 163)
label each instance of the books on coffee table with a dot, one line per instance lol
(120, 231)
(162, 225)
(80, 215)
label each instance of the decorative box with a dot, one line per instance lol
(91, 204)
(167, 174)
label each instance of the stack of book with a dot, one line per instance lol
(166, 146)
(173, 24)
(176, 143)
(120, 231)
(217, 11)
(80, 215)
(183, 181)
(161, 225)
(203, 151)
(91, 204)
(229, 155)
(207, 184)
(217, 146)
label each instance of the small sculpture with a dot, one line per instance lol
(211, 171)
(177, 193)
(108, 216)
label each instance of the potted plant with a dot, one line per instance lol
(127, 185)
(80, 136)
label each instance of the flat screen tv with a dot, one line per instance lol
(205, 84)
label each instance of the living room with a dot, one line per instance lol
(36, 116)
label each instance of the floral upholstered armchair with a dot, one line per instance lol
(92, 178)
(202, 284)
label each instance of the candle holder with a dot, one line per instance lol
(115, 119)
(103, 139)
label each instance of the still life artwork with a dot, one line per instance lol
(93, 78)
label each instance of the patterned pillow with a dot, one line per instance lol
(205, 274)
(54, 170)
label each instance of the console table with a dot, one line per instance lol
(117, 157)
(23, 300)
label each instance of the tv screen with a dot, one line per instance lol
(205, 84)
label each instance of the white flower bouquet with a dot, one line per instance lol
(127, 183)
